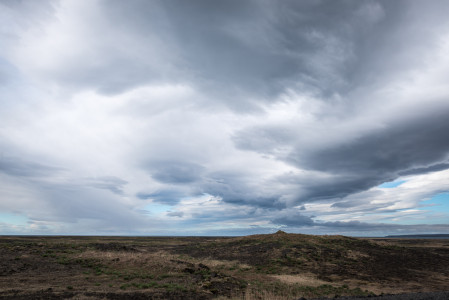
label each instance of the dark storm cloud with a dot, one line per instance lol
(234, 51)
(416, 142)
(259, 48)
(240, 52)
(237, 188)
(189, 179)
(424, 170)
(379, 157)
(293, 218)
(340, 185)
(413, 145)
(175, 172)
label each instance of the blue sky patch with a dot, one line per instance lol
(391, 184)
(439, 203)
(13, 219)
(157, 208)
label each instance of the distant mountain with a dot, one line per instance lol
(420, 236)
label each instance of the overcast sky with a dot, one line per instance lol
(229, 117)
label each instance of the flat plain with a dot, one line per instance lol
(272, 266)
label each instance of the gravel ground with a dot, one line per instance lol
(411, 296)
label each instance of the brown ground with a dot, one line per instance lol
(276, 266)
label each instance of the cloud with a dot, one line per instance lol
(379, 157)
(432, 168)
(175, 172)
(110, 183)
(74, 52)
(17, 167)
(293, 219)
(175, 214)
(234, 114)
(170, 196)
(257, 47)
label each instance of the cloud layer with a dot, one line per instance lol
(227, 117)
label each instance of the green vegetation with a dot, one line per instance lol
(281, 266)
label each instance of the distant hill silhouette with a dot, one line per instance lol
(420, 236)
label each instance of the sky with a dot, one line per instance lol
(207, 117)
